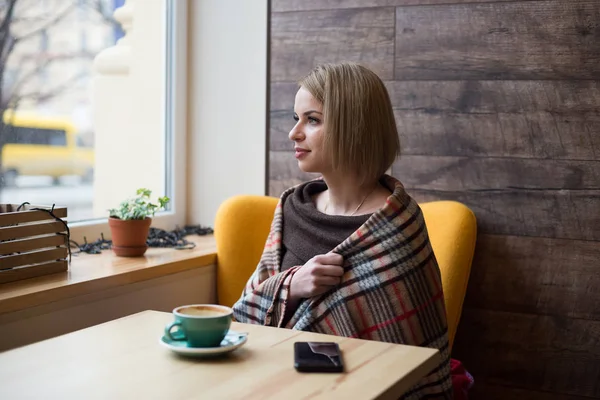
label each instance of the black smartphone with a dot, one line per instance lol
(318, 357)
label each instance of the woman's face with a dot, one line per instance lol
(307, 134)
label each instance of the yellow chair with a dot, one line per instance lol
(242, 225)
(243, 222)
(452, 231)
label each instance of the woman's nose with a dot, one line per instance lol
(296, 134)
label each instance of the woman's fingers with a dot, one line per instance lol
(327, 280)
(328, 270)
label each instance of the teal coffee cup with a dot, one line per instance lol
(200, 325)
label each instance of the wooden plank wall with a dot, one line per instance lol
(498, 106)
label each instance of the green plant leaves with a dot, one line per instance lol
(139, 207)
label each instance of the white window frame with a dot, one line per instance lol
(175, 120)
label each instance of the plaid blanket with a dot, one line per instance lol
(391, 290)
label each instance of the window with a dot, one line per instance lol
(35, 136)
(124, 135)
(83, 40)
(81, 143)
(44, 41)
(117, 32)
(82, 9)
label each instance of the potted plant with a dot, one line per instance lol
(130, 223)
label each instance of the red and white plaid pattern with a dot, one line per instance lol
(391, 290)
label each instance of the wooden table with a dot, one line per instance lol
(122, 359)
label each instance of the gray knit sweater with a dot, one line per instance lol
(308, 232)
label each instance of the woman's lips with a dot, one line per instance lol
(301, 153)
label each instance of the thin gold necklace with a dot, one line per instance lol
(357, 208)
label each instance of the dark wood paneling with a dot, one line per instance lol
(537, 135)
(484, 391)
(536, 275)
(549, 119)
(557, 214)
(284, 172)
(489, 97)
(305, 5)
(554, 354)
(512, 40)
(285, 166)
(282, 96)
(278, 187)
(282, 122)
(441, 173)
(498, 107)
(300, 41)
(281, 115)
(537, 119)
(512, 197)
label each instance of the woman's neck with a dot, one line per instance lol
(346, 195)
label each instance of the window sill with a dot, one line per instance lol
(93, 273)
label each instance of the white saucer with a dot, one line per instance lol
(232, 341)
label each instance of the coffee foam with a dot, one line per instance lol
(200, 311)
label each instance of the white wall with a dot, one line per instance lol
(227, 104)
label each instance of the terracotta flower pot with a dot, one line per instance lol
(129, 236)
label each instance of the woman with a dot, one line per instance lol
(348, 254)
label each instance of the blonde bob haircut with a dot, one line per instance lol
(360, 130)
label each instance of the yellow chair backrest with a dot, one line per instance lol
(242, 225)
(452, 231)
(243, 222)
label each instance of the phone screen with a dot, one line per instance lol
(318, 357)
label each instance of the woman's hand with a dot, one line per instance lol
(317, 276)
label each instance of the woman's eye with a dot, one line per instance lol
(311, 120)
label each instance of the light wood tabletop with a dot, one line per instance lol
(122, 359)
